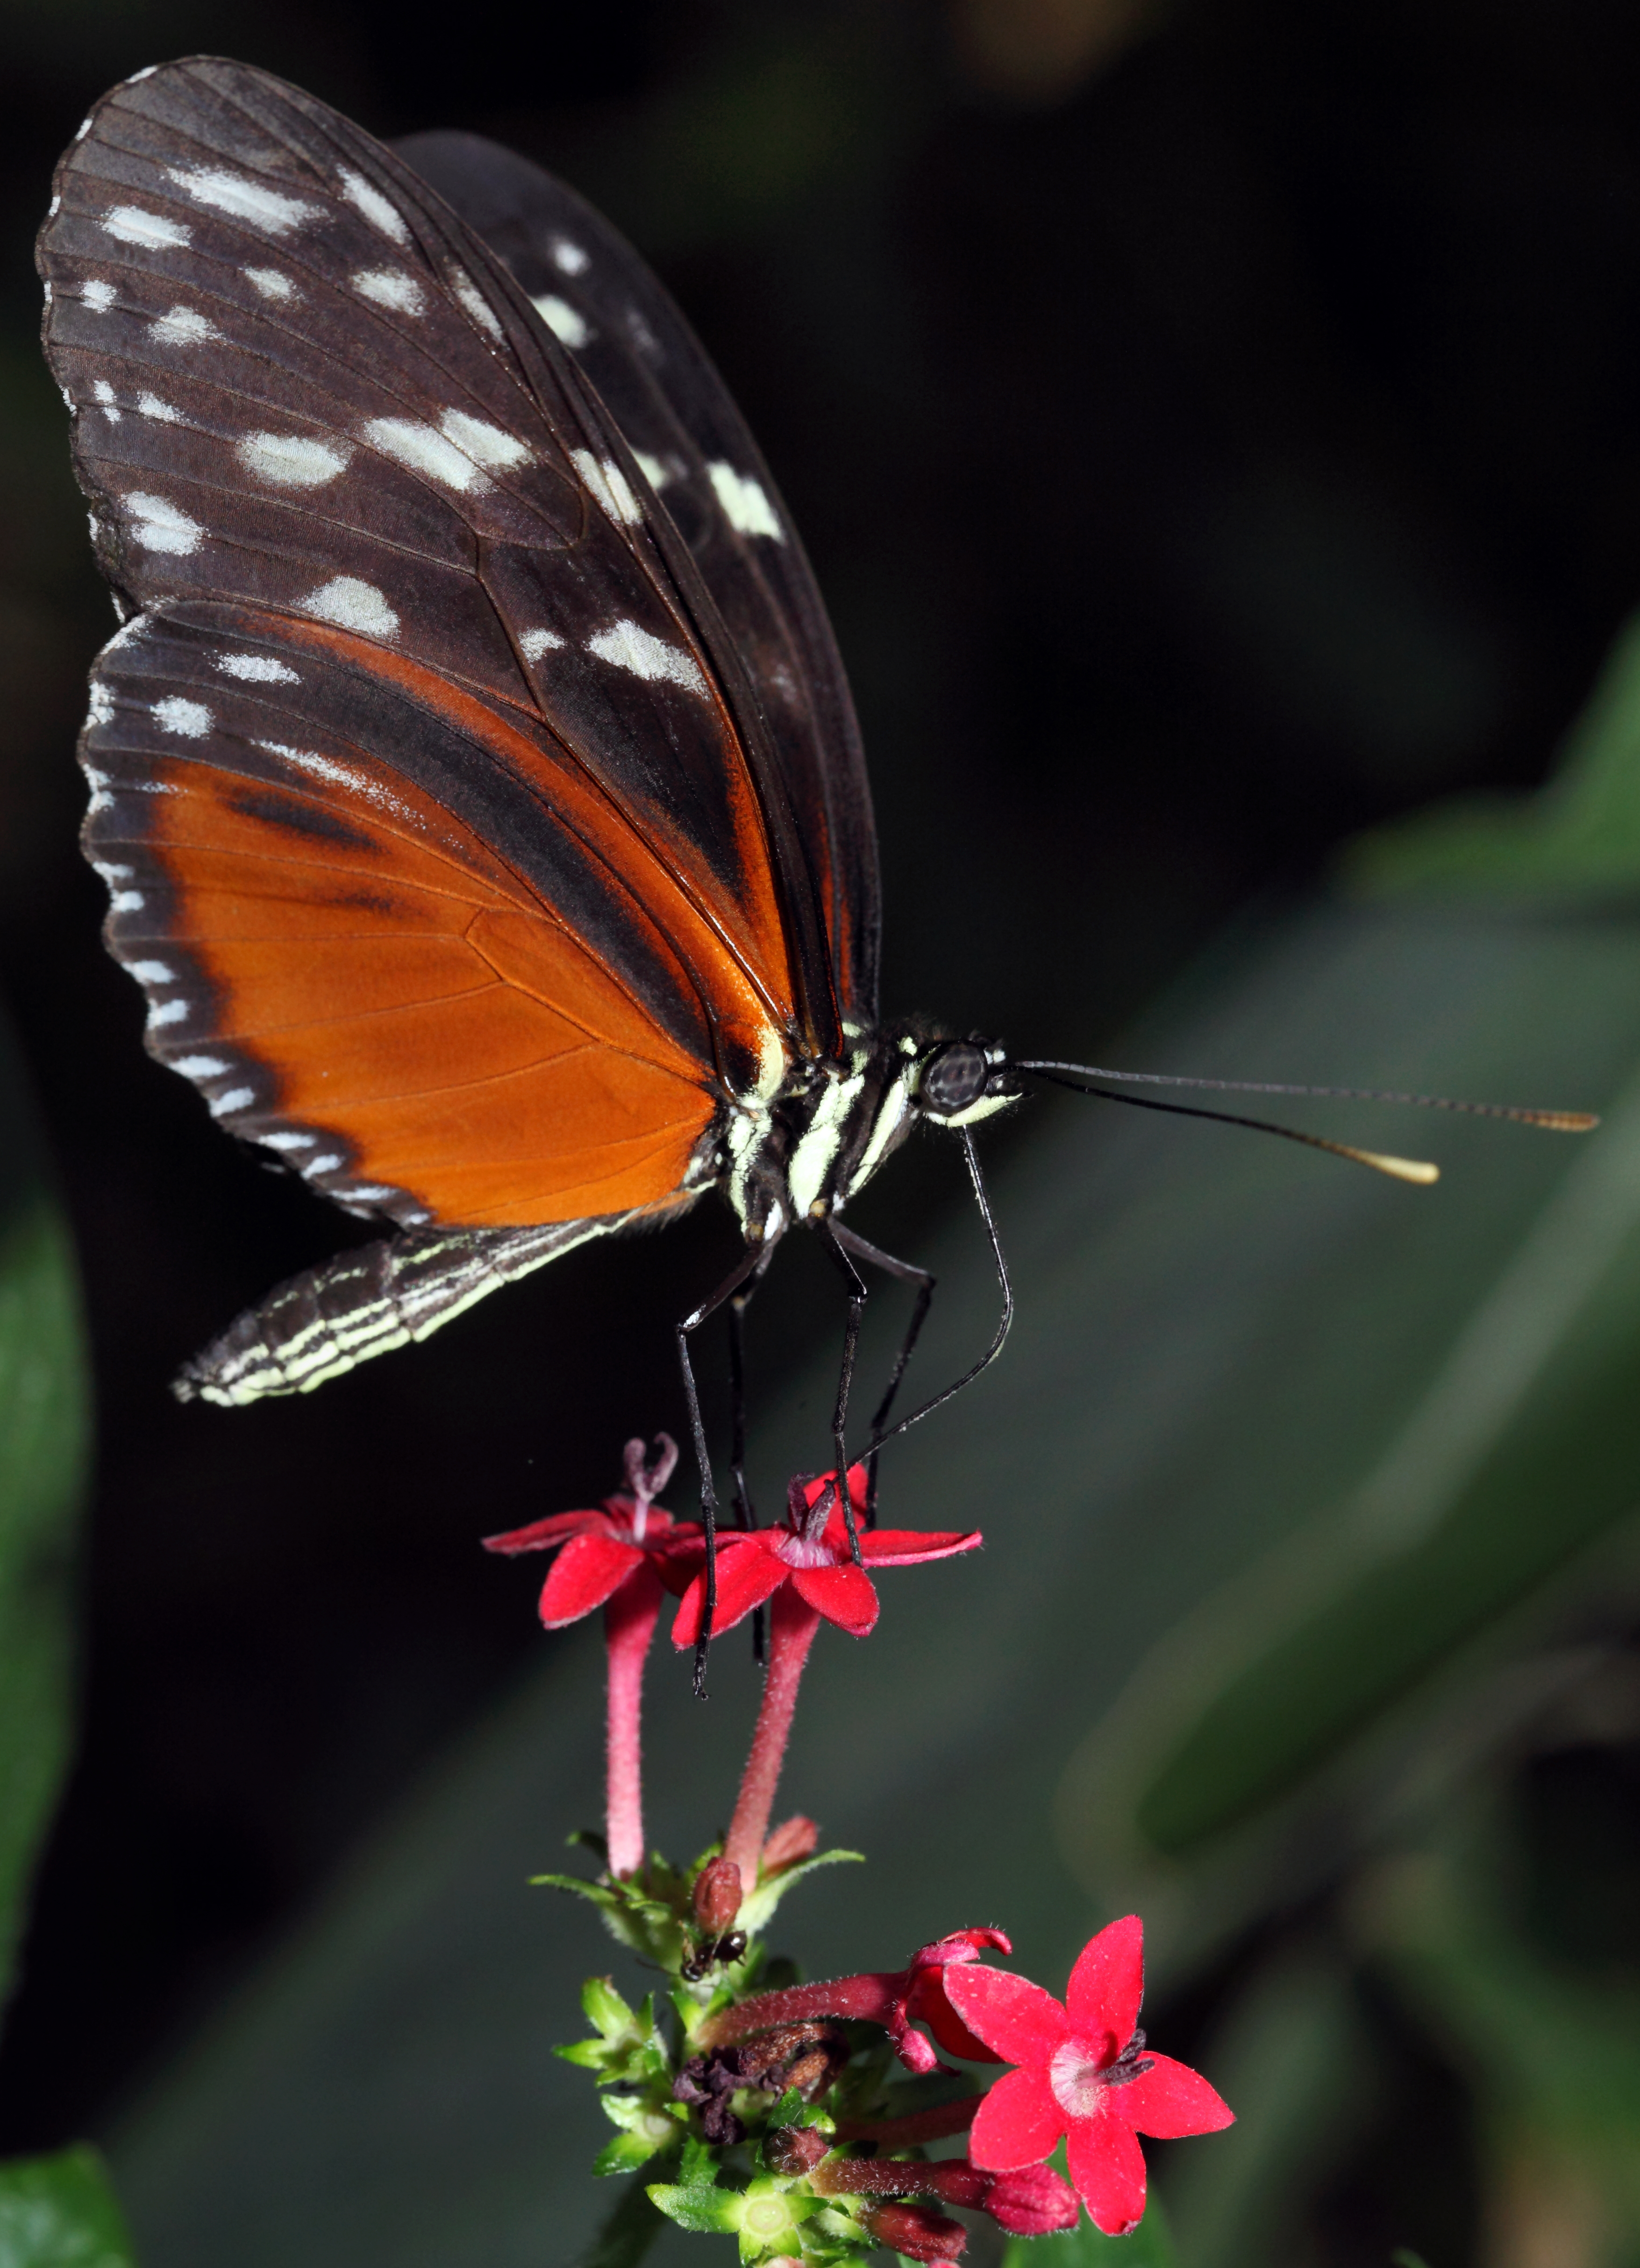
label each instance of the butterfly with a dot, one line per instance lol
(473, 773)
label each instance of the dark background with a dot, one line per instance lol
(1216, 429)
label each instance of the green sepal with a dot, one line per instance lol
(628, 2049)
(696, 2200)
(758, 1905)
(644, 1925)
(624, 2153)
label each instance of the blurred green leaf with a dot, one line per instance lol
(44, 1434)
(1577, 840)
(1290, 2061)
(60, 2213)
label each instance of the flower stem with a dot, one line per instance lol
(792, 1625)
(629, 1617)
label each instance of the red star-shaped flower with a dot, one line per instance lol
(598, 1550)
(810, 1551)
(1083, 2071)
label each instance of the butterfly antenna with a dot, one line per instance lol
(1556, 1121)
(1399, 1169)
(966, 1136)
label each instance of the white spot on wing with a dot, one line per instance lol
(327, 1164)
(201, 1066)
(473, 300)
(272, 284)
(237, 1098)
(489, 445)
(130, 224)
(744, 503)
(158, 525)
(104, 392)
(424, 450)
(151, 406)
(183, 327)
(389, 287)
(289, 461)
(352, 605)
(380, 211)
(609, 485)
(627, 646)
(567, 256)
(653, 471)
(126, 901)
(152, 972)
(282, 1141)
(100, 710)
(167, 1011)
(562, 319)
(255, 668)
(174, 714)
(98, 292)
(244, 199)
(533, 643)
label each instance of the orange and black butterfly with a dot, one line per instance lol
(475, 775)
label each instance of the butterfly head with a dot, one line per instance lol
(960, 1081)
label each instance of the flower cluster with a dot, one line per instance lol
(798, 2117)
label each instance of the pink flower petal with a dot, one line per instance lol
(1169, 2100)
(1009, 2014)
(546, 1535)
(904, 1547)
(586, 1570)
(746, 1575)
(1017, 2123)
(1108, 2166)
(1107, 1982)
(842, 1595)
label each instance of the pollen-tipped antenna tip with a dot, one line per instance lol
(1401, 1169)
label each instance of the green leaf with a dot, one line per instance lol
(60, 2213)
(756, 1909)
(44, 1441)
(1579, 838)
(1150, 2246)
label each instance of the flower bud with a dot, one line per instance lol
(794, 1839)
(1032, 2202)
(915, 2232)
(794, 2149)
(717, 1895)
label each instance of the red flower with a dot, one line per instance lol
(1085, 2072)
(810, 1551)
(598, 1550)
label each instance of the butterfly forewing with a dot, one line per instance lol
(626, 332)
(303, 388)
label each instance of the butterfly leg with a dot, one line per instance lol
(751, 1263)
(903, 1271)
(855, 1288)
(740, 1301)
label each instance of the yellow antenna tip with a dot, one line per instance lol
(1566, 1121)
(1401, 1169)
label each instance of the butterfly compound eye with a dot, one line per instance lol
(953, 1078)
